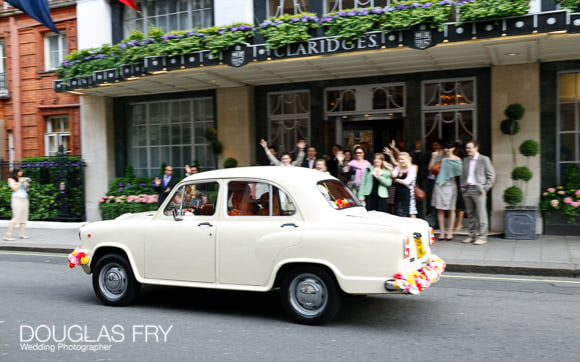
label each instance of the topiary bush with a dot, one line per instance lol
(513, 195)
(510, 126)
(230, 162)
(529, 148)
(521, 173)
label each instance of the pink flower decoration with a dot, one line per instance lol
(554, 203)
(568, 200)
(577, 193)
(551, 189)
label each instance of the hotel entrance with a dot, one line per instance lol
(370, 114)
(374, 134)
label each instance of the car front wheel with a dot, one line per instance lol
(310, 295)
(114, 282)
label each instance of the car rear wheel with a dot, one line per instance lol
(114, 282)
(310, 295)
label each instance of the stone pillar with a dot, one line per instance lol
(229, 12)
(93, 23)
(235, 124)
(514, 84)
(97, 150)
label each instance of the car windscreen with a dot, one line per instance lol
(337, 194)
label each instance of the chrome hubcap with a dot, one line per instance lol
(308, 294)
(113, 281)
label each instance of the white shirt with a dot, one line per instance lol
(471, 172)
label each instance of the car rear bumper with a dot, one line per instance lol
(417, 280)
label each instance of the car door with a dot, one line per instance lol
(261, 220)
(180, 241)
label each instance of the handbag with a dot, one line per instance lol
(436, 168)
(419, 194)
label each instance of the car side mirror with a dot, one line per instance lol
(176, 215)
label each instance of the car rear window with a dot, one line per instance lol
(337, 194)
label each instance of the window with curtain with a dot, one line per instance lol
(568, 122)
(57, 135)
(168, 15)
(288, 119)
(54, 50)
(3, 77)
(449, 110)
(281, 7)
(170, 132)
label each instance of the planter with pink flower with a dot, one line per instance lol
(561, 205)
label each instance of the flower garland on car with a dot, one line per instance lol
(418, 280)
(77, 257)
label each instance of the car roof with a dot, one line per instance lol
(282, 175)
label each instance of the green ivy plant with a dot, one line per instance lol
(351, 24)
(492, 9)
(409, 13)
(569, 4)
(43, 202)
(221, 38)
(288, 29)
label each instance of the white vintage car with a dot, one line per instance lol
(257, 229)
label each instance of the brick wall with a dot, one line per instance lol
(37, 99)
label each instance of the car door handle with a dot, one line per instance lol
(289, 224)
(205, 224)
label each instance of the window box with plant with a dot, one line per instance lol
(561, 205)
(519, 219)
(128, 194)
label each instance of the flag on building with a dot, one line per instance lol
(130, 3)
(36, 9)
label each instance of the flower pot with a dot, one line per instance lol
(192, 60)
(520, 223)
(488, 29)
(460, 32)
(74, 83)
(155, 63)
(99, 77)
(105, 76)
(556, 223)
(86, 82)
(131, 70)
(552, 21)
(393, 39)
(574, 26)
(519, 25)
(173, 62)
(59, 86)
(211, 58)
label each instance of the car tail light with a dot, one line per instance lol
(432, 236)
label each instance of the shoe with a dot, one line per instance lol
(25, 237)
(468, 240)
(479, 242)
(6, 238)
(448, 239)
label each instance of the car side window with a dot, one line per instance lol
(246, 198)
(194, 199)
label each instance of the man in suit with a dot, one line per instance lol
(310, 157)
(164, 185)
(476, 180)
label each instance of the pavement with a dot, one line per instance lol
(549, 255)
